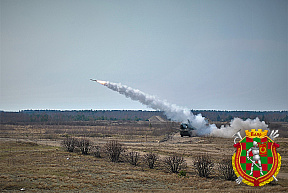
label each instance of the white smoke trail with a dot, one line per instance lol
(182, 114)
(172, 111)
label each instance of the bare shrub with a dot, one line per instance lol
(69, 143)
(203, 165)
(150, 159)
(133, 158)
(174, 163)
(226, 169)
(96, 151)
(114, 149)
(84, 145)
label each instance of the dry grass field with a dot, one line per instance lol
(32, 159)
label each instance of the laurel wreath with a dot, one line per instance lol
(260, 184)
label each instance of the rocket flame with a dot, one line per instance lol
(102, 82)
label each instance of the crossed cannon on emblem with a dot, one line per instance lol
(255, 152)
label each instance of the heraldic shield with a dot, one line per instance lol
(256, 159)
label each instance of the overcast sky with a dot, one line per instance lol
(201, 54)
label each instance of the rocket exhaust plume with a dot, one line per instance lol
(172, 111)
(182, 114)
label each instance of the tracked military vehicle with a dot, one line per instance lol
(186, 129)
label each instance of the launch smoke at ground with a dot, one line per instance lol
(182, 114)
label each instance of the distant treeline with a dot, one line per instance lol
(70, 117)
(91, 116)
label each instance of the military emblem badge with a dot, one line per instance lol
(256, 161)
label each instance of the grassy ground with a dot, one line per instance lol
(31, 158)
(41, 168)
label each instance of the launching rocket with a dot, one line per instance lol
(99, 81)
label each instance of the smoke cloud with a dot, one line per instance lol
(182, 114)
(238, 124)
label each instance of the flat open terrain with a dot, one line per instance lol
(31, 158)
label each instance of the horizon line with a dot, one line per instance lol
(22, 110)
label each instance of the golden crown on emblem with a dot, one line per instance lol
(253, 133)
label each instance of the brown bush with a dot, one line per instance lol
(150, 159)
(174, 163)
(69, 143)
(133, 158)
(96, 151)
(114, 149)
(226, 169)
(84, 145)
(203, 165)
